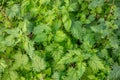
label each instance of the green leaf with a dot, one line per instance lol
(89, 38)
(40, 37)
(115, 73)
(95, 63)
(56, 76)
(59, 39)
(73, 7)
(3, 65)
(42, 28)
(67, 2)
(57, 24)
(81, 69)
(86, 45)
(91, 17)
(67, 22)
(9, 41)
(14, 32)
(11, 75)
(48, 71)
(72, 56)
(99, 28)
(96, 3)
(72, 74)
(75, 74)
(41, 32)
(91, 77)
(44, 1)
(82, 17)
(114, 42)
(103, 53)
(80, 1)
(24, 25)
(28, 46)
(64, 18)
(77, 30)
(13, 11)
(99, 9)
(60, 36)
(20, 60)
(67, 25)
(38, 63)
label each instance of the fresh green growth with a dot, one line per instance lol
(59, 40)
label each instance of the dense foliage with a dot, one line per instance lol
(59, 40)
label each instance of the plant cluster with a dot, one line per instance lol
(59, 40)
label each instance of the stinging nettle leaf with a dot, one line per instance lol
(81, 69)
(95, 63)
(115, 73)
(13, 11)
(60, 36)
(3, 65)
(67, 25)
(40, 37)
(42, 28)
(20, 60)
(9, 41)
(96, 3)
(14, 32)
(73, 7)
(67, 22)
(38, 63)
(76, 30)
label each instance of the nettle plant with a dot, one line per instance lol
(59, 40)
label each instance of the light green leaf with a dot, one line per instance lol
(57, 24)
(10, 75)
(73, 7)
(60, 36)
(20, 60)
(44, 1)
(68, 58)
(40, 37)
(64, 18)
(81, 69)
(91, 77)
(41, 32)
(67, 2)
(72, 74)
(42, 28)
(38, 63)
(99, 9)
(56, 76)
(75, 74)
(14, 32)
(13, 75)
(82, 17)
(67, 25)
(95, 63)
(67, 22)
(9, 41)
(3, 65)
(80, 1)
(89, 38)
(13, 11)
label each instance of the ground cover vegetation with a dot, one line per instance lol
(59, 40)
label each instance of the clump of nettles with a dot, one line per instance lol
(59, 40)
